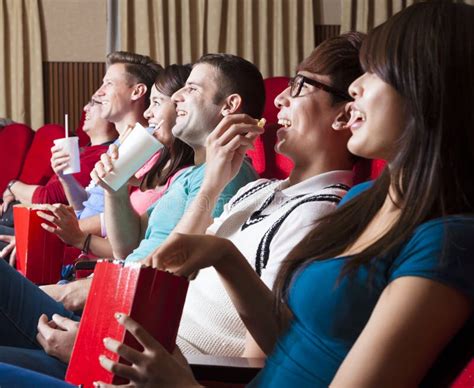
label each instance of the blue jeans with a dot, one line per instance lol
(11, 376)
(21, 305)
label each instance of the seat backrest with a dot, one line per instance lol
(367, 169)
(37, 166)
(83, 137)
(466, 378)
(15, 140)
(266, 161)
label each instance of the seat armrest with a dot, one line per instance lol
(239, 370)
(85, 265)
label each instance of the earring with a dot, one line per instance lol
(336, 125)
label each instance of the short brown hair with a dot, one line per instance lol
(139, 68)
(237, 75)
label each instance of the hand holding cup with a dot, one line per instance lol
(65, 156)
(104, 166)
(59, 160)
(136, 147)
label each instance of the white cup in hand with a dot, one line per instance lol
(70, 145)
(137, 148)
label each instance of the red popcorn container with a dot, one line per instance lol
(39, 253)
(153, 298)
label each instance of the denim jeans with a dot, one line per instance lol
(21, 305)
(11, 376)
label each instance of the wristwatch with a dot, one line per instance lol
(9, 186)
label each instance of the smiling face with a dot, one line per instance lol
(378, 118)
(92, 118)
(115, 93)
(306, 120)
(197, 112)
(161, 108)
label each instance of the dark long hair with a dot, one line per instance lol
(179, 155)
(426, 52)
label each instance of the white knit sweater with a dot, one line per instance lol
(210, 323)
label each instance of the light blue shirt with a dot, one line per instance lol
(165, 214)
(94, 204)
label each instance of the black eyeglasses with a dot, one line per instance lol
(296, 84)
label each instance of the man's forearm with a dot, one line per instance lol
(100, 247)
(91, 225)
(75, 193)
(124, 226)
(197, 218)
(23, 192)
(76, 294)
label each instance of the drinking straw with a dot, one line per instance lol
(66, 124)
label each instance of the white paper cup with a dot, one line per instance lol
(70, 145)
(137, 148)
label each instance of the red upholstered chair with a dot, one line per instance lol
(37, 166)
(83, 137)
(367, 169)
(267, 163)
(15, 140)
(466, 378)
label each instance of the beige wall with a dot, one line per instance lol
(74, 30)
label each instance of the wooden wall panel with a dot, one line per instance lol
(322, 32)
(67, 88)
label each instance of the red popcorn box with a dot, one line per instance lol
(153, 298)
(39, 253)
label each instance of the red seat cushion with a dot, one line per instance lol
(37, 167)
(15, 140)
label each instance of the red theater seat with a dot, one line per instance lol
(83, 137)
(37, 166)
(15, 139)
(367, 169)
(267, 163)
(466, 378)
